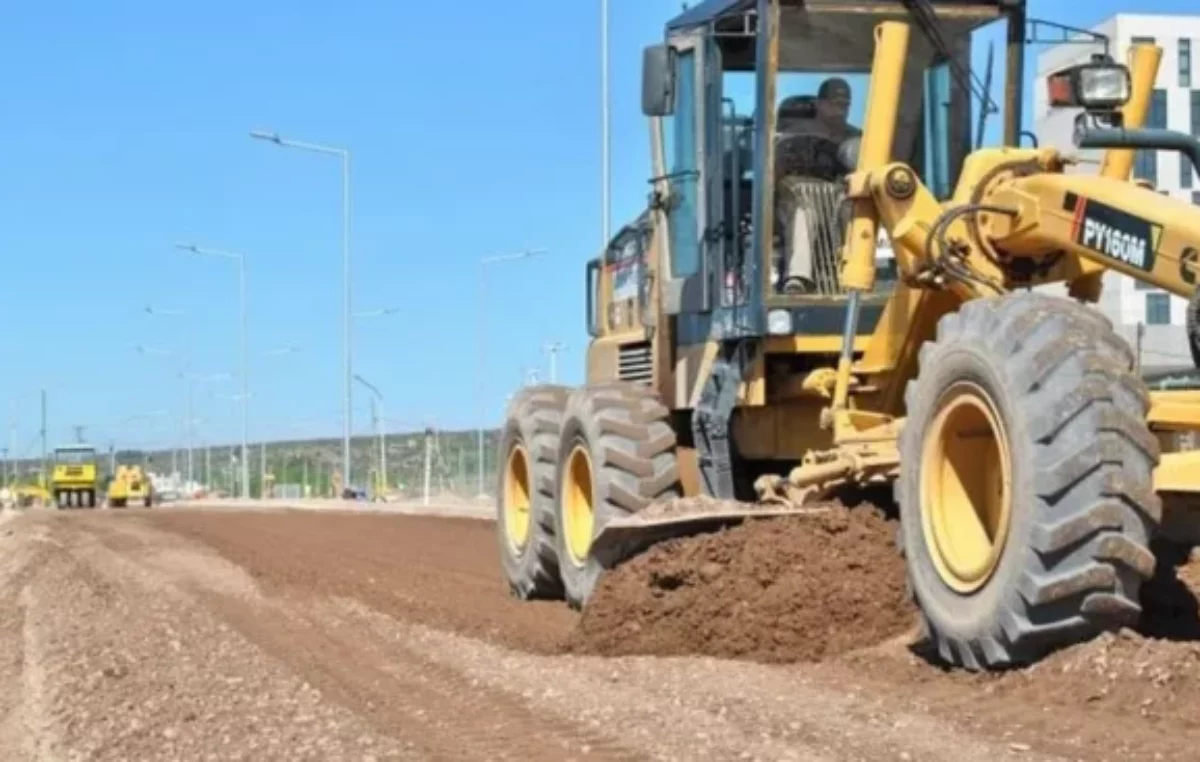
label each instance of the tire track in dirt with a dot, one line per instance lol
(25, 727)
(38, 740)
(134, 670)
(437, 571)
(696, 708)
(438, 713)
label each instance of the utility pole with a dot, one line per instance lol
(78, 433)
(112, 457)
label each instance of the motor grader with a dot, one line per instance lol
(754, 351)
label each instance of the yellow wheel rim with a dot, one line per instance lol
(517, 502)
(578, 518)
(966, 488)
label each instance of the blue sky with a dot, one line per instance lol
(126, 129)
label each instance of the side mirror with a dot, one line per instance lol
(658, 81)
(1100, 86)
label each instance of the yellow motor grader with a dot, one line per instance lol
(755, 348)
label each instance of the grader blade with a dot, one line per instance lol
(681, 518)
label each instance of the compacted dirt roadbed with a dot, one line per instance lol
(286, 635)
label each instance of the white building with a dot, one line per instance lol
(1175, 105)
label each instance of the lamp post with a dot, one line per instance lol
(483, 265)
(344, 154)
(552, 349)
(189, 382)
(605, 129)
(377, 403)
(241, 262)
(286, 349)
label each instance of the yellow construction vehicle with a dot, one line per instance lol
(130, 485)
(74, 481)
(752, 343)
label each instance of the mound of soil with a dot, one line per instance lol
(788, 589)
(1152, 673)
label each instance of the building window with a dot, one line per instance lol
(1196, 198)
(1196, 112)
(1185, 63)
(1158, 109)
(1185, 171)
(1143, 40)
(1158, 309)
(1145, 163)
(1145, 166)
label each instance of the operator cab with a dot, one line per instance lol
(755, 127)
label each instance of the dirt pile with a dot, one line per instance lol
(788, 589)
(1152, 673)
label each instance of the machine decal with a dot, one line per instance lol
(1113, 233)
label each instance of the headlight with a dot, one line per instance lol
(1104, 87)
(1098, 86)
(779, 322)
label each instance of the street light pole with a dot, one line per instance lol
(605, 128)
(483, 265)
(377, 406)
(552, 349)
(241, 262)
(344, 154)
(188, 432)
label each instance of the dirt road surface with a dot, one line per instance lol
(193, 634)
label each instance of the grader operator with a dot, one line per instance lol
(1030, 465)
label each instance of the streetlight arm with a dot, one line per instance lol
(193, 248)
(511, 257)
(377, 313)
(369, 385)
(274, 137)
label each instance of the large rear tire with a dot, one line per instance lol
(617, 456)
(1026, 484)
(525, 492)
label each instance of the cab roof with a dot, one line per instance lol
(709, 11)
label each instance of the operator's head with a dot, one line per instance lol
(833, 100)
(795, 110)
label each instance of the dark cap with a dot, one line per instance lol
(834, 87)
(798, 107)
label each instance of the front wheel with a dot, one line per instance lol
(1026, 485)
